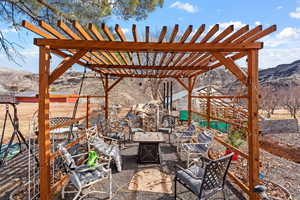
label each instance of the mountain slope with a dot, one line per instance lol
(281, 75)
(132, 91)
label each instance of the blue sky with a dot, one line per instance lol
(281, 47)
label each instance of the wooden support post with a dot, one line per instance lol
(43, 136)
(106, 96)
(208, 111)
(190, 89)
(253, 143)
(87, 111)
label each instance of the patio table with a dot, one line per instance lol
(149, 146)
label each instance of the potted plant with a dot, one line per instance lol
(235, 140)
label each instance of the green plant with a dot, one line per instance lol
(235, 138)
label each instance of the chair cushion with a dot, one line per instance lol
(184, 134)
(115, 135)
(166, 130)
(204, 137)
(63, 130)
(67, 158)
(195, 148)
(81, 179)
(136, 130)
(192, 183)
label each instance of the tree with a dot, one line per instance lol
(84, 11)
(290, 99)
(269, 100)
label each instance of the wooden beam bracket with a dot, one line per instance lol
(231, 66)
(182, 84)
(114, 84)
(65, 65)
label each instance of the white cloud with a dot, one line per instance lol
(8, 30)
(237, 24)
(289, 32)
(185, 6)
(257, 23)
(30, 52)
(273, 57)
(279, 7)
(295, 14)
(125, 30)
(288, 36)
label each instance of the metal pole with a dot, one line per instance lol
(164, 97)
(171, 96)
(168, 96)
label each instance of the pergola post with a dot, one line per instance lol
(190, 90)
(106, 97)
(208, 111)
(253, 143)
(43, 136)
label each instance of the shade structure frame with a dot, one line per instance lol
(112, 56)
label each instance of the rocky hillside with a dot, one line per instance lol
(132, 91)
(127, 92)
(281, 75)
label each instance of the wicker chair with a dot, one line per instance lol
(83, 176)
(199, 148)
(204, 180)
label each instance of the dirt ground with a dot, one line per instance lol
(27, 110)
(281, 114)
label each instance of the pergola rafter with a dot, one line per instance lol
(182, 57)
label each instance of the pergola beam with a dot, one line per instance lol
(142, 75)
(146, 46)
(221, 97)
(146, 67)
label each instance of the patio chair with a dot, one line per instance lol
(198, 148)
(182, 136)
(83, 176)
(204, 180)
(111, 151)
(105, 127)
(135, 124)
(168, 123)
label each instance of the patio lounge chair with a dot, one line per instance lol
(111, 151)
(183, 136)
(199, 148)
(204, 180)
(83, 176)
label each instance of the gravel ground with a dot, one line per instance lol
(280, 170)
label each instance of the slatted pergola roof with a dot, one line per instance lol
(171, 54)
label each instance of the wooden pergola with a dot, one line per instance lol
(179, 56)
